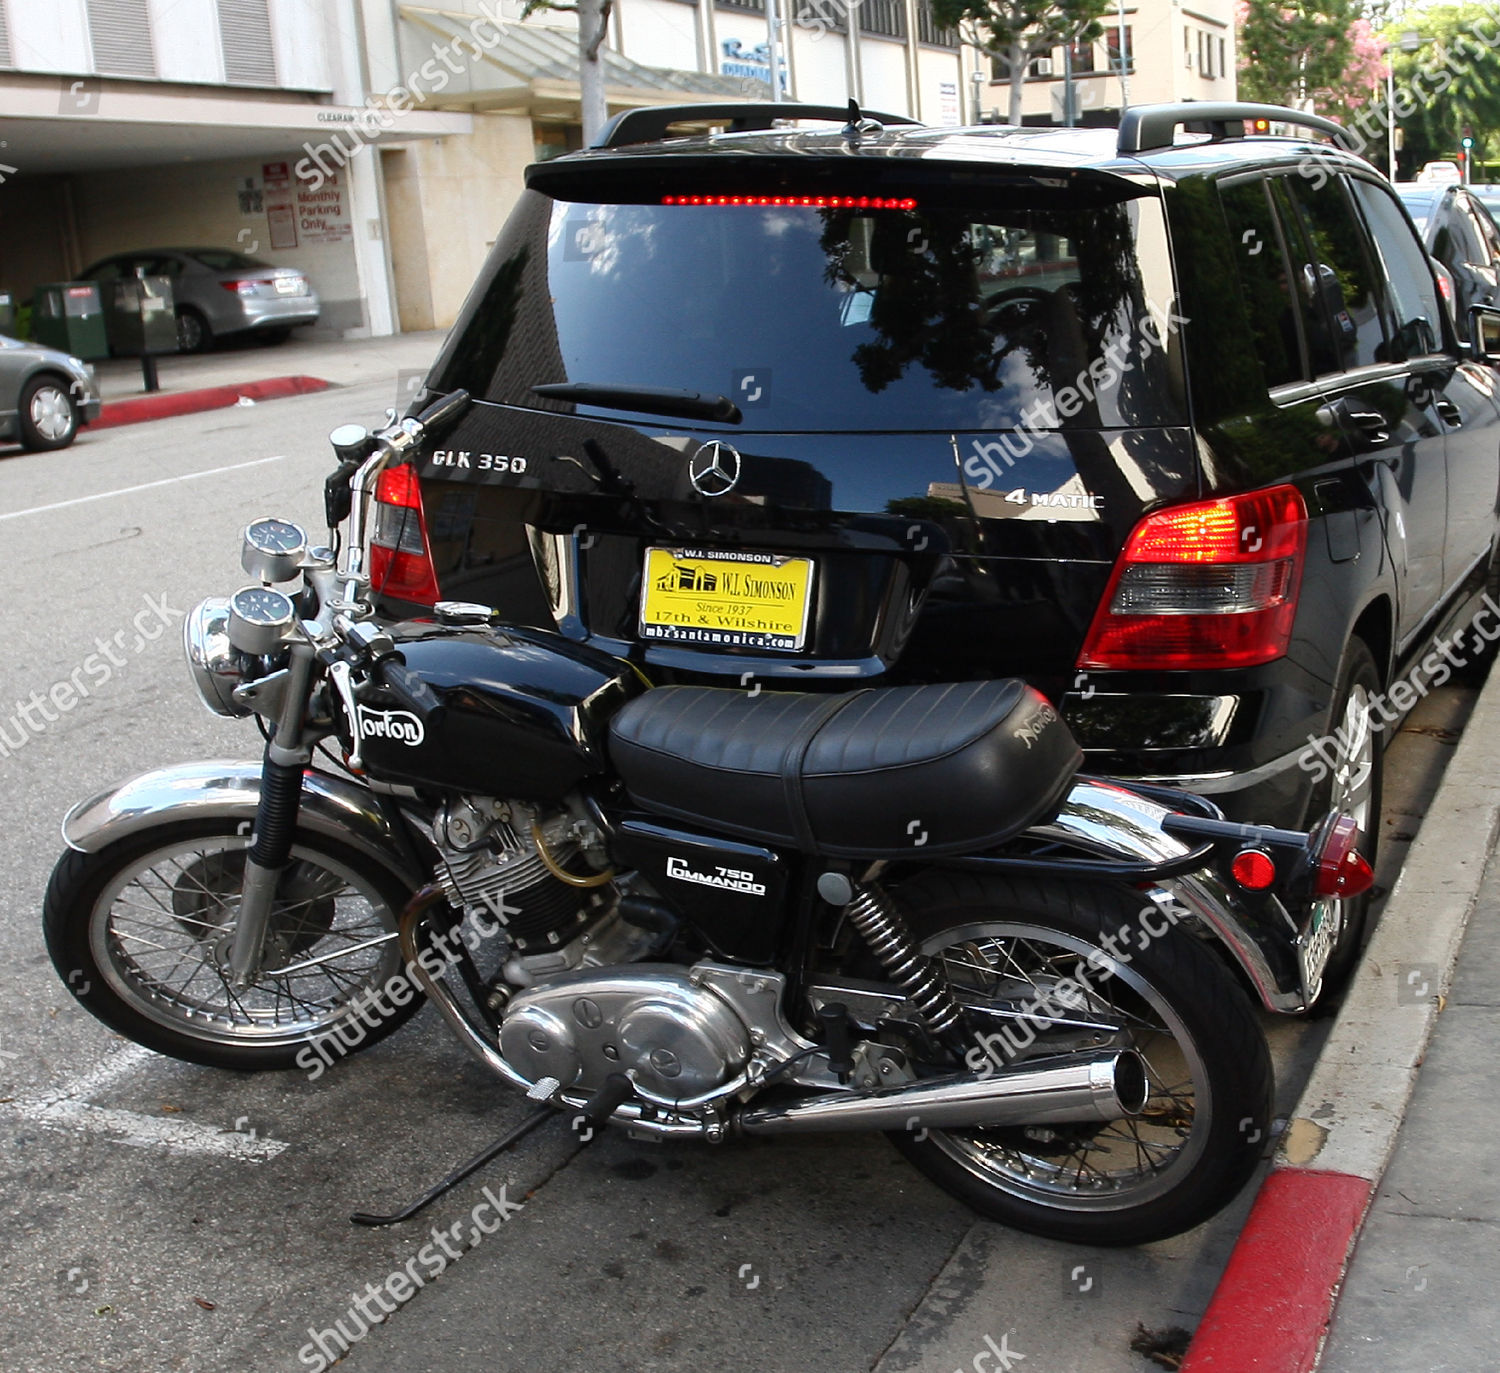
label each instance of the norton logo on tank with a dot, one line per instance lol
(399, 726)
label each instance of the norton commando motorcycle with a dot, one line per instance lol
(699, 912)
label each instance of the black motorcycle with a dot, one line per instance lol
(698, 912)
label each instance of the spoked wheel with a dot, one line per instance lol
(1007, 948)
(141, 932)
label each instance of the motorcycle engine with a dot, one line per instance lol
(675, 1037)
(493, 866)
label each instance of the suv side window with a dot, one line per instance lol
(1265, 281)
(1337, 282)
(1413, 292)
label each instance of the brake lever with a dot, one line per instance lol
(343, 682)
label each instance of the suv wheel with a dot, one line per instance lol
(1354, 787)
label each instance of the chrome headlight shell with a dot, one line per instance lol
(217, 666)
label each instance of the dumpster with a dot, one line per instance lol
(139, 316)
(7, 314)
(66, 315)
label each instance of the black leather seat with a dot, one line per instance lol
(883, 772)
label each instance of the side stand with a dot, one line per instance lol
(459, 1174)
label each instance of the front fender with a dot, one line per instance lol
(229, 789)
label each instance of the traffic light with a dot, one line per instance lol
(1468, 138)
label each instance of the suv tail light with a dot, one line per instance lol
(400, 554)
(1208, 585)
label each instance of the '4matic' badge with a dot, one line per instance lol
(399, 726)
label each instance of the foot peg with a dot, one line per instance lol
(615, 1091)
(838, 1039)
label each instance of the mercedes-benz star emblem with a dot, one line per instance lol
(714, 469)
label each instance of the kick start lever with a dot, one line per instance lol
(615, 1091)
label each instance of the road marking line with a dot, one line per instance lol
(64, 1109)
(145, 486)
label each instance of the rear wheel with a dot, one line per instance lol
(193, 332)
(140, 933)
(1008, 946)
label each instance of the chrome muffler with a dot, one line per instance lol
(1104, 1084)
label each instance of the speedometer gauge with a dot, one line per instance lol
(273, 550)
(258, 617)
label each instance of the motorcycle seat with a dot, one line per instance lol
(886, 772)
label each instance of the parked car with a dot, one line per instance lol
(218, 292)
(1440, 174)
(45, 395)
(1489, 197)
(1177, 434)
(1461, 234)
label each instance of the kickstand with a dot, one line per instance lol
(459, 1174)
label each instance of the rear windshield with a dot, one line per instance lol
(835, 317)
(222, 260)
(1419, 207)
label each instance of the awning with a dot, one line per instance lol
(533, 69)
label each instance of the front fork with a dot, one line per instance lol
(288, 752)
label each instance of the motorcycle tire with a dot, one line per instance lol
(139, 933)
(1206, 1122)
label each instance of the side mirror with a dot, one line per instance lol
(1484, 333)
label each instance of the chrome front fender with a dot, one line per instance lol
(229, 789)
(1108, 819)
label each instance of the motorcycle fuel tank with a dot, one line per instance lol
(525, 713)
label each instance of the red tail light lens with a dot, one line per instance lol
(245, 287)
(1213, 584)
(1342, 870)
(400, 553)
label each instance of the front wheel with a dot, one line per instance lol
(1051, 967)
(140, 933)
(47, 415)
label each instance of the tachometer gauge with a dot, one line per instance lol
(258, 617)
(273, 550)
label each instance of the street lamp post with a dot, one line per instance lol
(1409, 41)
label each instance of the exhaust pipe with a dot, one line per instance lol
(1102, 1085)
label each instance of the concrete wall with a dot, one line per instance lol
(884, 62)
(658, 33)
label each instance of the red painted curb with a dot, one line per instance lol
(161, 404)
(1272, 1306)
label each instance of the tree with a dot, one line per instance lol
(1016, 31)
(1309, 54)
(1452, 78)
(593, 27)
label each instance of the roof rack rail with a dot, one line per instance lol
(1144, 128)
(651, 123)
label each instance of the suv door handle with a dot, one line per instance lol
(1369, 424)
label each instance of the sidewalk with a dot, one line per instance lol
(1420, 1293)
(403, 356)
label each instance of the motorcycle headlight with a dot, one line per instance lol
(217, 666)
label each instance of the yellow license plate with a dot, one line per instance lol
(726, 600)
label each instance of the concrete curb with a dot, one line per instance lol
(1271, 1310)
(162, 404)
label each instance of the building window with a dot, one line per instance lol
(1205, 55)
(885, 17)
(1112, 36)
(245, 28)
(823, 15)
(1083, 58)
(1223, 65)
(928, 30)
(120, 31)
(758, 6)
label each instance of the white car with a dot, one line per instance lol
(1440, 174)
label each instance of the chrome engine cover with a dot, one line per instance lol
(677, 1039)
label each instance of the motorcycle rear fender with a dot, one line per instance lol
(228, 789)
(1108, 819)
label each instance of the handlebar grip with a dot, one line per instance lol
(442, 409)
(410, 689)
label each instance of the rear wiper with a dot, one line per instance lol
(650, 400)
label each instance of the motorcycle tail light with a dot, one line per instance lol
(1208, 585)
(400, 553)
(1339, 868)
(1253, 869)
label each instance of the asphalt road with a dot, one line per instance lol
(152, 1226)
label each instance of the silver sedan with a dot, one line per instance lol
(44, 395)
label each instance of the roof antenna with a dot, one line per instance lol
(859, 123)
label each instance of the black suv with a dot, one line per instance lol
(1173, 427)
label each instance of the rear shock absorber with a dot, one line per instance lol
(882, 926)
